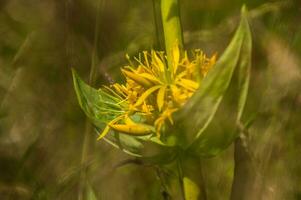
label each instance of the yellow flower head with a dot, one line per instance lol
(153, 91)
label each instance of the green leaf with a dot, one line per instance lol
(101, 108)
(209, 143)
(202, 107)
(98, 105)
(244, 69)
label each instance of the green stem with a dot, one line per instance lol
(172, 30)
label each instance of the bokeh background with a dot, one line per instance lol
(48, 150)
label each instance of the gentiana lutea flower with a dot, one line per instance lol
(153, 91)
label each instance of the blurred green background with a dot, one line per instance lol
(49, 151)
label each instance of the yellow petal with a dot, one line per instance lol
(160, 97)
(213, 59)
(159, 124)
(137, 78)
(107, 128)
(170, 118)
(112, 91)
(133, 129)
(188, 84)
(104, 132)
(146, 58)
(121, 90)
(151, 78)
(180, 75)
(129, 121)
(158, 62)
(176, 57)
(146, 94)
(146, 109)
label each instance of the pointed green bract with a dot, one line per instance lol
(202, 107)
(98, 105)
(244, 68)
(209, 144)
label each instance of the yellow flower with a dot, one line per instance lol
(154, 92)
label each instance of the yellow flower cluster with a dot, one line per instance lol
(155, 91)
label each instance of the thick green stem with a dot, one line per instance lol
(172, 29)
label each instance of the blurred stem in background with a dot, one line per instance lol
(190, 176)
(158, 24)
(86, 148)
(244, 173)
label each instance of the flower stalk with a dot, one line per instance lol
(191, 185)
(170, 13)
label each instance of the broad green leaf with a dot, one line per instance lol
(202, 107)
(98, 105)
(210, 144)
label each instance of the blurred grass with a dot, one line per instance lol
(42, 127)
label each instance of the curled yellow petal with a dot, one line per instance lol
(176, 57)
(137, 78)
(133, 129)
(158, 62)
(129, 121)
(107, 128)
(188, 84)
(213, 59)
(104, 132)
(151, 78)
(148, 92)
(120, 89)
(146, 58)
(160, 97)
